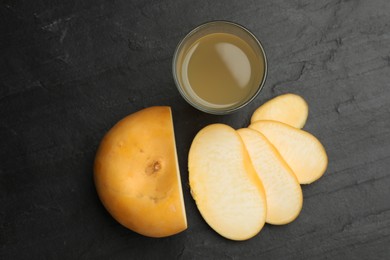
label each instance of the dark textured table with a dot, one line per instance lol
(69, 71)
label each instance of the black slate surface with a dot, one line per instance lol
(70, 69)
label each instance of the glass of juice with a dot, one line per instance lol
(219, 67)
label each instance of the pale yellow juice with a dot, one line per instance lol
(221, 70)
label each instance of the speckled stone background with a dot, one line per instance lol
(70, 69)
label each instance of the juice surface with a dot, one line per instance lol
(221, 70)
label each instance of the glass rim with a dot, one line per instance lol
(204, 108)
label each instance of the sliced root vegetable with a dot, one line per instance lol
(282, 189)
(290, 109)
(224, 184)
(137, 175)
(302, 151)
